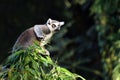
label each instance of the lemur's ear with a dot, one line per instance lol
(49, 21)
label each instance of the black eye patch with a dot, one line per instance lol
(53, 25)
(59, 25)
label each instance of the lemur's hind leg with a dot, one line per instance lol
(47, 52)
(43, 51)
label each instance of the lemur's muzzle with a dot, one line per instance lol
(61, 23)
(58, 28)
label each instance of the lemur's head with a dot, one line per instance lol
(54, 25)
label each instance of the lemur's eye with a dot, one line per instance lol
(53, 25)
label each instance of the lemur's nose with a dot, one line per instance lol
(61, 23)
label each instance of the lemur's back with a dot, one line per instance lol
(26, 39)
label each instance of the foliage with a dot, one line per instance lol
(77, 49)
(107, 25)
(30, 65)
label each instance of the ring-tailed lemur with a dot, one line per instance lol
(40, 33)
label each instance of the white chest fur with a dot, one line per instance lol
(48, 36)
(46, 40)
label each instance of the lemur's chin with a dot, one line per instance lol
(58, 29)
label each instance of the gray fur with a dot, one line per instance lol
(39, 33)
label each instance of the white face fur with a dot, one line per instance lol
(54, 25)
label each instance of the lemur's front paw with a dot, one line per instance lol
(41, 37)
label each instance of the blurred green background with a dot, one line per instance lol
(89, 42)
